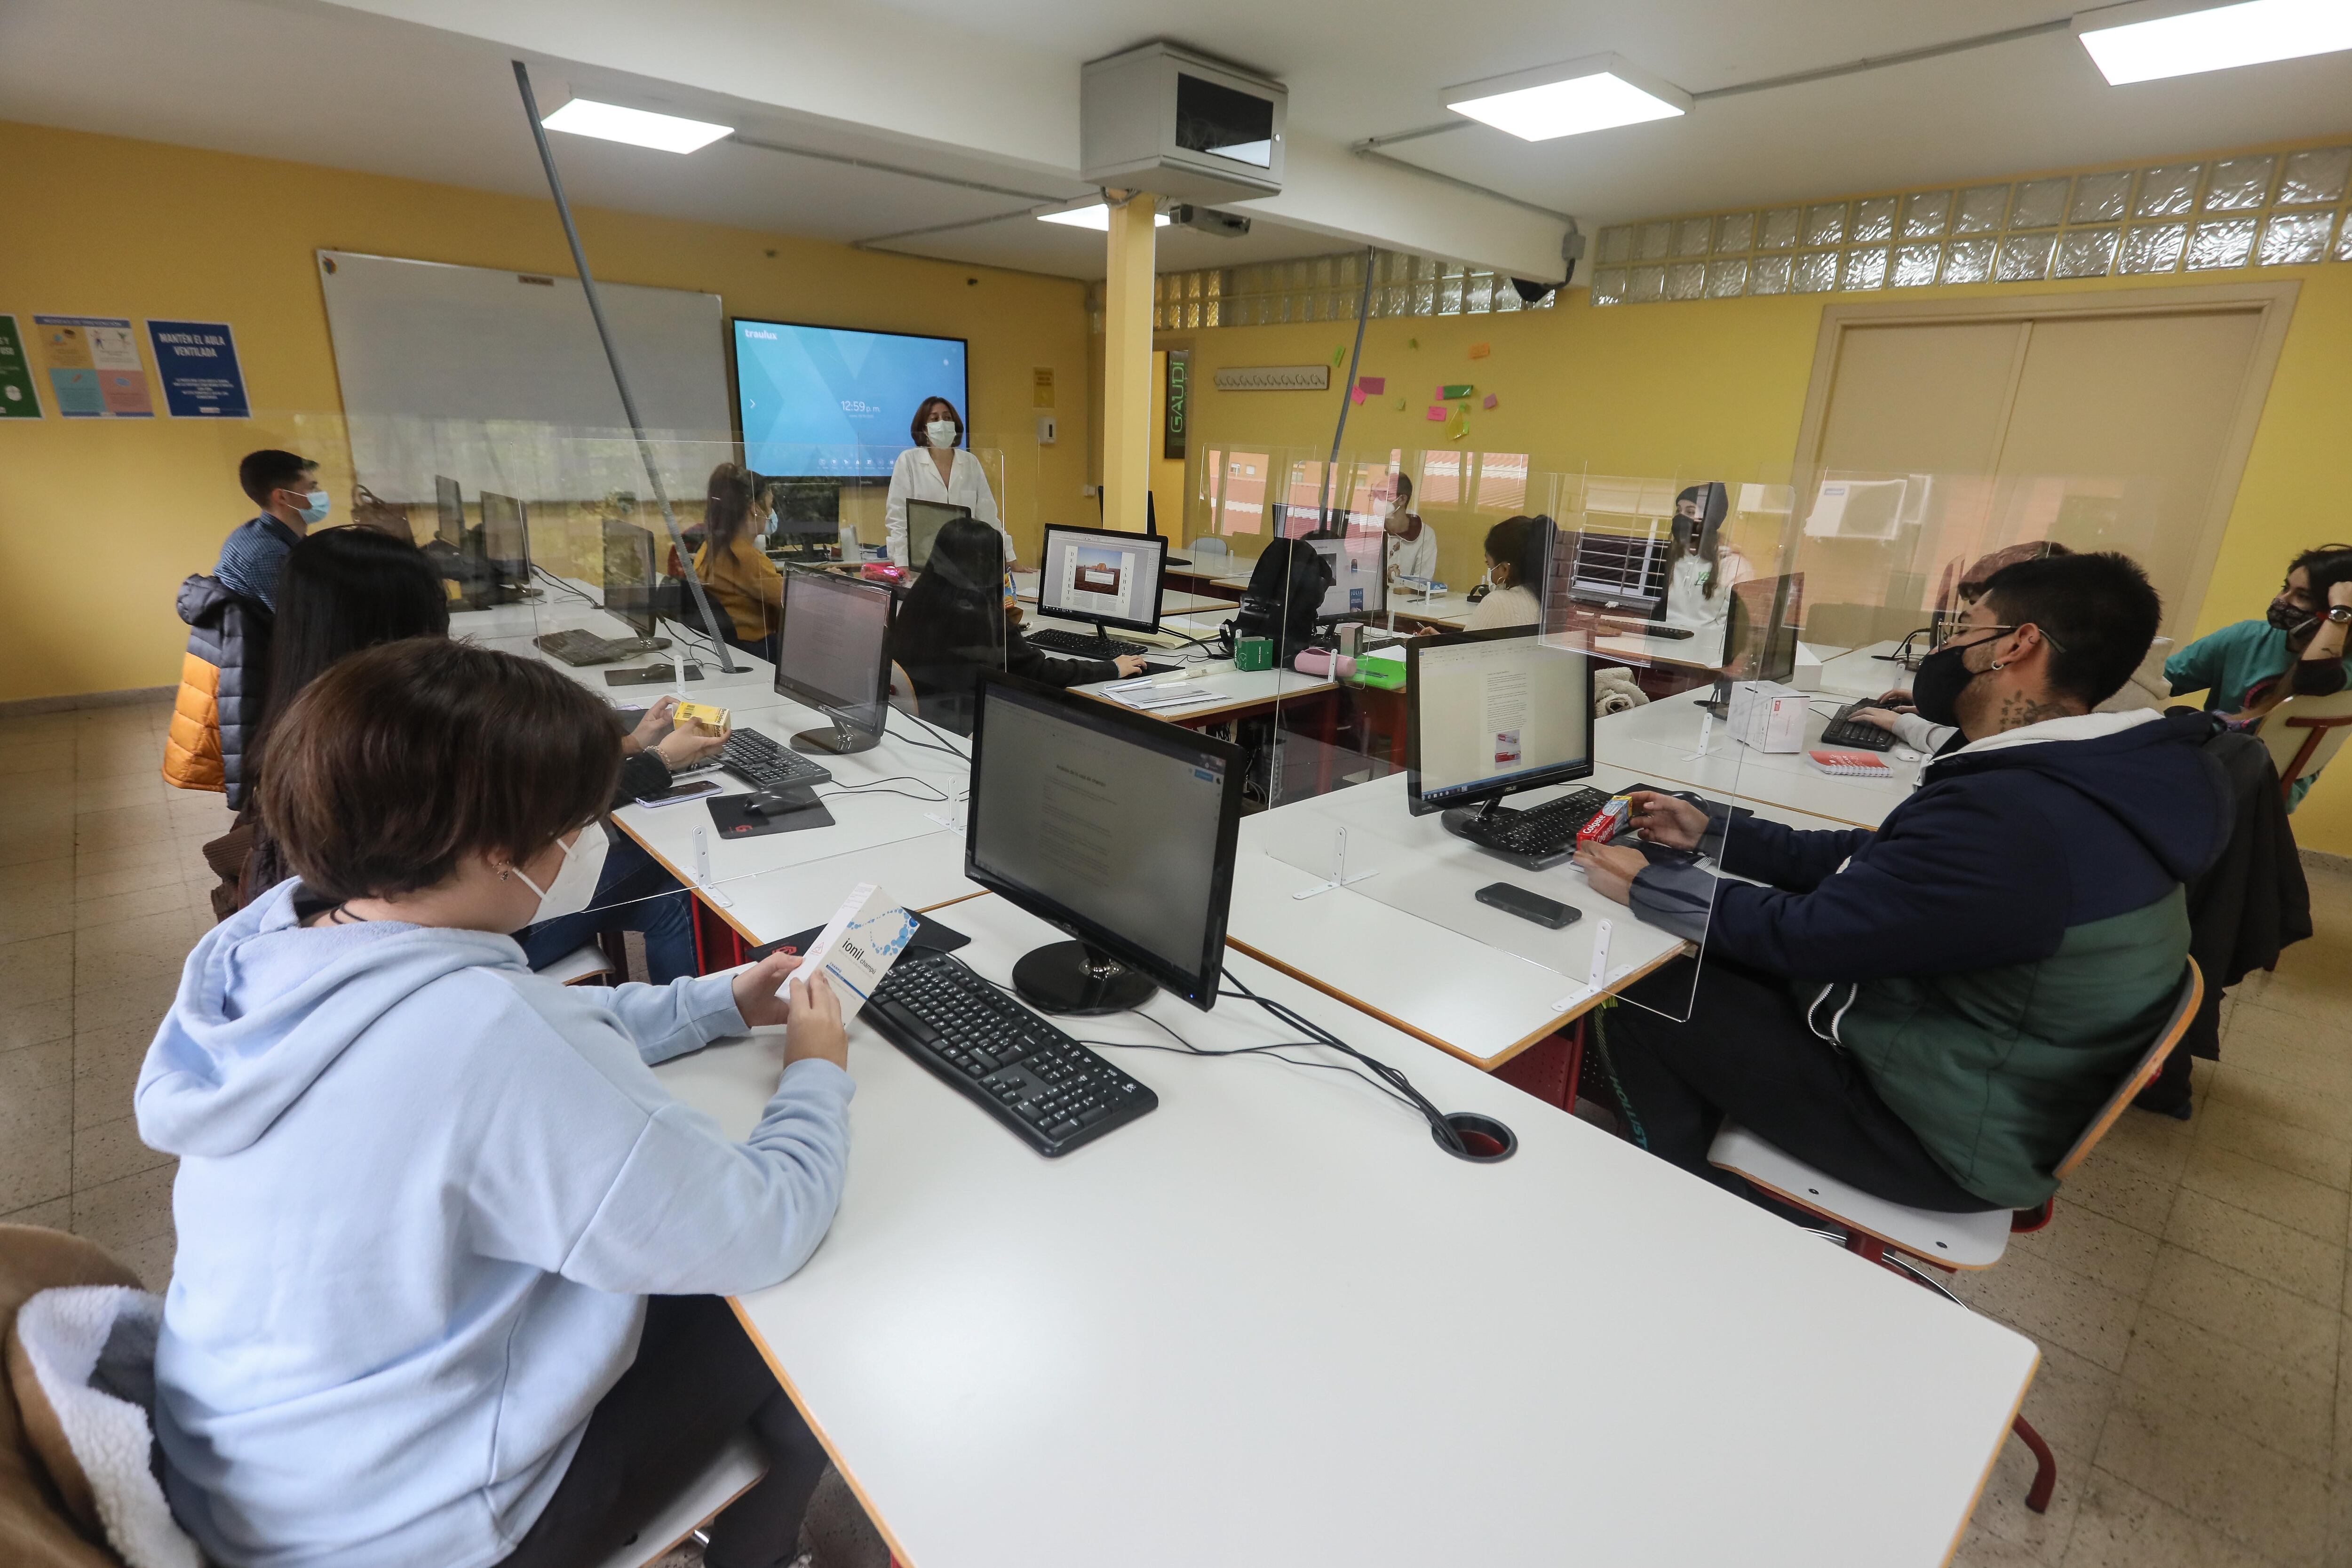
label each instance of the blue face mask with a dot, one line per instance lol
(316, 511)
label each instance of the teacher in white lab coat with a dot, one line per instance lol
(937, 468)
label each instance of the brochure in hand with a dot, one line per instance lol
(858, 947)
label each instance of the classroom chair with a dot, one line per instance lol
(589, 965)
(1887, 1233)
(2304, 734)
(902, 690)
(738, 1468)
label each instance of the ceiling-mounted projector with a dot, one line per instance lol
(1230, 225)
(1166, 120)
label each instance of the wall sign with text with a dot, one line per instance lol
(18, 400)
(197, 362)
(1180, 402)
(95, 370)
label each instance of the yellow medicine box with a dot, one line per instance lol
(706, 714)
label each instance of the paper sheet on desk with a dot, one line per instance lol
(1145, 695)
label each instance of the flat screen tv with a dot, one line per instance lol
(828, 401)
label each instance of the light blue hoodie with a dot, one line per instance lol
(422, 1195)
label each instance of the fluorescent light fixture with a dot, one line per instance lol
(1591, 94)
(638, 127)
(1096, 216)
(2159, 38)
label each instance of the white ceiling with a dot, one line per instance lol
(341, 86)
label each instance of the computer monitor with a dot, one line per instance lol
(629, 574)
(924, 521)
(1102, 575)
(1358, 581)
(1116, 827)
(1620, 574)
(450, 502)
(1492, 713)
(1759, 634)
(834, 656)
(506, 537)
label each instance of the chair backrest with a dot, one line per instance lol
(902, 690)
(2304, 733)
(2184, 1009)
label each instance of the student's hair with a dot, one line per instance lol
(261, 474)
(914, 430)
(2324, 566)
(955, 615)
(2099, 610)
(1403, 482)
(1972, 582)
(1708, 529)
(726, 507)
(344, 590)
(1524, 545)
(965, 574)
(403, 759)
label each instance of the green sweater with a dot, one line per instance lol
(2228, 664)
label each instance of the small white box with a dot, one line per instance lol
(1768, 716)
(1807, 676)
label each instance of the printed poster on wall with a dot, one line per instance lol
(95, 370)
(196, 362)
(17, 398)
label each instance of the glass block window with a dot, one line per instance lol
(1691, 236)
(2039, 204)
(1648, 284)
(1609, 285)
(1326, 288)
(1915, 265)
(2239, 185)
(2259, 209)
(1686, 281)
(2100, 198)
(2316, 177)
(1926, 214)
(2153, 247)
(2223, 242)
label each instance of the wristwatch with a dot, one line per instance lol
(2339, 614)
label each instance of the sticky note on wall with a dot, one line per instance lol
(1438, 413)
(1372, 385)
(1355, 393)
(1480, 350)
(1455, 389)
(1490, 400)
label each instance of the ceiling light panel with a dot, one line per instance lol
(1591, 94)
(1097, 217)
(638, 127)
(2160, 38)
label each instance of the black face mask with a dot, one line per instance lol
(2286, 617)
(1936, 685)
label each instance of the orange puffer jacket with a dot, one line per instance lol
(224, 680)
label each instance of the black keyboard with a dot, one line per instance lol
(1541, 836)
(1053, 1092)
(1643, 628)
(1077, 644)
(577, 647)
(764, 764)
(1844, 730)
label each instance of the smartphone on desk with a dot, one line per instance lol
(694, 789)
(1528, 906)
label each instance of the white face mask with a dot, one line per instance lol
(1384, 509)
(314, 511)
(942, 432)
(574, 887)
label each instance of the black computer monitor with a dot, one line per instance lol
(835, 655)
(1102, 575)
(450, 503)
(924, 521)
(1759, 634)
(506, 537)
(1492, 713)
(1358, 574)
(1113, 825)
(629, 574)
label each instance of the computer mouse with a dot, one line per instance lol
(764, 804)
(1479, 593)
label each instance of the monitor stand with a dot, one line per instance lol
(1719, 704)
(1071, 977)
(841, 741)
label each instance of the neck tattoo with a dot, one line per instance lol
(2017, 711)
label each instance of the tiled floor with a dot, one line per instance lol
(2189, 1299)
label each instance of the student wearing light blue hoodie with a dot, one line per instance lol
(424, 1194)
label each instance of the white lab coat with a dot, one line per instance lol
(915, 478)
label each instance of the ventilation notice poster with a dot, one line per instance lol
(196, 362)
(95, 370)
(17, 398)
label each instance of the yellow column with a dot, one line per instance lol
(1126, 367)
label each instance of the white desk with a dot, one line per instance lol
(1273, 1322)
(1410, 946)
(1661, 739)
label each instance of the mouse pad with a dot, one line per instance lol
(652, 675)
(727, 815)
(930, 936)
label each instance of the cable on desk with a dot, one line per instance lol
(944, 745)
(1445, 1132)
(561, 586)
(937, 797)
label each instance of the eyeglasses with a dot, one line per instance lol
(2004, 631)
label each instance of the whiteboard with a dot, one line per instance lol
(498, 380)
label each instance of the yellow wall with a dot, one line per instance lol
(100, 520)
(1716, 388)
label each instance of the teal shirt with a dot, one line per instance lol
(2228, 664)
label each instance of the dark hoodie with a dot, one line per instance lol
(2002, 949)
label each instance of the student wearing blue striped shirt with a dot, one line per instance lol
(286, 487)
